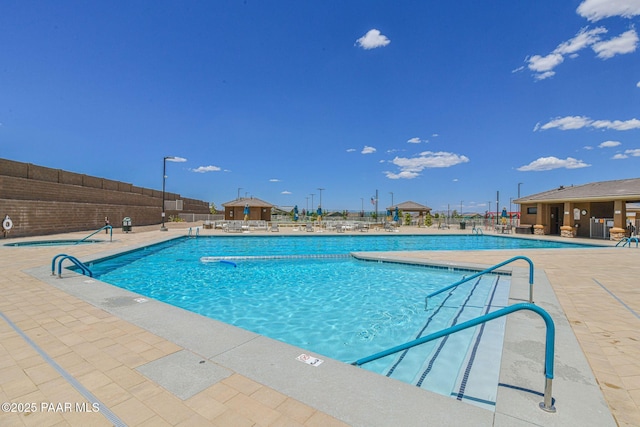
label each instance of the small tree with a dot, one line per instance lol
(407, 219)
(212, 208)
(428, 220)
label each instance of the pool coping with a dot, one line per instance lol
(360, 397)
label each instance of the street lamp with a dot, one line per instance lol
(391, 192)
(164, 178)
(320, 190)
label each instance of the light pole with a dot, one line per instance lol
(361, 206)
(320, 190)
(391, 192)
(238, 197)
(312, 200)
(164, 178)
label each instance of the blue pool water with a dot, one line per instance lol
(335, 306)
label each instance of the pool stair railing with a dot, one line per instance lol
(106, 227)
(547, 403)
(627, 241)
(190, 234)
(478, 230)
(61, 257)
(488, 270)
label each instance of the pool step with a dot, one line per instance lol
(472, 352)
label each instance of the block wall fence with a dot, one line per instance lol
(42, 201)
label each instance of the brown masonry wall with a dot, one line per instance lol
(42, 201)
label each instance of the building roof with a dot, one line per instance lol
(621, 189)
(410, 207)
(251, 201)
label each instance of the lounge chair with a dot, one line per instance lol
(274, 227)
(309, 227)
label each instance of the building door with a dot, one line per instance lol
(555, 220)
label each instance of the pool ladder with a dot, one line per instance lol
(191, 232)
(85, 270)
(627, 241)
(478, 230)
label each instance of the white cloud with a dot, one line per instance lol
(588, 147)
(274, 180)
(351, 150)
(634, 153)
(626, 42)
(414, 140)
(286, 192)
(204, 169)
(579, 122)
(410, 167)
(616, 124)
(372, 40)
(565, 123)
(549, 163)
(368, 150)
(583, 39)
(541, 64)
(609, 144)
(620, 156)
(594, 10)
(638, 84)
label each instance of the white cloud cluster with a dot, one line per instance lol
(595, 10)
(415, 140)
(372, 40)
(205, 169)
(579, 122)
(627, 153)
(550, 163)
(410, 167)
(543, 66)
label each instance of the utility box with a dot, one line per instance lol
(126, 224)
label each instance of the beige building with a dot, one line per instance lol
(258, 209)
(596, 210)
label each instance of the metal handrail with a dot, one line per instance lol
(547, 404)
(628, 240)
(109, 227)
(85, 270)
(488, 270)
(197, 232)
(478, 230)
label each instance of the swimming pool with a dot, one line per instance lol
(334, 306)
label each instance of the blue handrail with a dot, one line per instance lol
(628, 240)
(547, 405)
(488, 270)
(106, 227)
(85, 270)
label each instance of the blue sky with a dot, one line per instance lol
(442, 103)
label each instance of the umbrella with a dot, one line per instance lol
(319, 212)
(504, 215)
(396, 215)
(295, 213)
(246, 211)
(388, 215)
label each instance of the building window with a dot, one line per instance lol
(532, 210)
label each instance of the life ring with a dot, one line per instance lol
(7, 224)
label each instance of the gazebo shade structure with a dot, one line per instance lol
(410, 206)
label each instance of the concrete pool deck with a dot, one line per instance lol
(151, 364)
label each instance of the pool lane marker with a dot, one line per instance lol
(113, 418)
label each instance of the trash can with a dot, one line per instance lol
(463, 225)
(126, 224)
